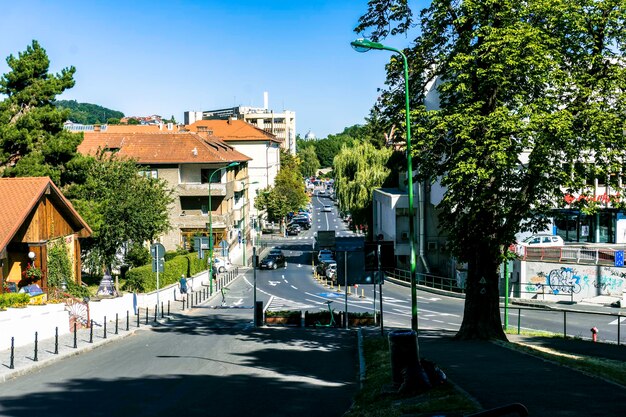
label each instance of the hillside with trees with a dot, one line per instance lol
(89, 114)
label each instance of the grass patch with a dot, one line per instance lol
(609, 369)
(530, 332)
(378, 399)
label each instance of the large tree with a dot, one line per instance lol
(287, 194)
(120, 205)
(529, 92)
(309, 163)
(32, 139)
(358, 171)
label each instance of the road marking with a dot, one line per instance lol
(295, 288)
(238, 302)
(621, 319)
(438, 321)
(273, 283)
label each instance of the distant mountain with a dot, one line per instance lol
(86, 113)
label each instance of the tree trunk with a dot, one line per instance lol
(481, 318)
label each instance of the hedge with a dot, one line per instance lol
(142, 279)
(12, 299)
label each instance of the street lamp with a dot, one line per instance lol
(211, 245)
(364, 45)
(243, 234)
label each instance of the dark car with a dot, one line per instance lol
(293, 230)
(303, 223)
(273, 261)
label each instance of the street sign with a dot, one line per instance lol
(224, 247)
(157, 251)
(326, 238)
(619, 258)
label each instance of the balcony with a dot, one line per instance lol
(196, 190)
(200, 221)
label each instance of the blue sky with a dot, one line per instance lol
(166, 57)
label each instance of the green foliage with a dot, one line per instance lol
(288, 193)
(88, 114)
(137, 255)
(523, 88)
(120, 205)
(142, 279)
(12, 299)
(358, 171)
(32, 139)
(59, 264)
(309, 163)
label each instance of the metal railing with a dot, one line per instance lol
(599, 256)
(565, 313)
(430, 280)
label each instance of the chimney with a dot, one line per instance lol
(265, 100)
(170, 126)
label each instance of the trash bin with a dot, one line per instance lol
(402, 353)
(258, 314)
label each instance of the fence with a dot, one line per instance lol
(433, 281)
(599, 256)
(564, 314)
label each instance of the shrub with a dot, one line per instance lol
(138, 255)
(142, 279)
(283, 313)
(59, 264)
(13, 299)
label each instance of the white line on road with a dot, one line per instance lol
(294, 287)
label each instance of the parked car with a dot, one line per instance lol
(324, 253)
(273, 261)
(293, 230)
(543, 241)
(221, 265)
(323, 265)
(303, 223)
(331, 271)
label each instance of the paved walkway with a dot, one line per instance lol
(496, 375)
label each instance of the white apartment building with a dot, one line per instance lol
(280, 124)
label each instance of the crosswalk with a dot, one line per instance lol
(279, 304)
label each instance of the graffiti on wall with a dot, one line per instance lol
(582, 280)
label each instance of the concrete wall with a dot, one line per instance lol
(565, 282)
(22, 323)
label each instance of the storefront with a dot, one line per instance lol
(601, 227)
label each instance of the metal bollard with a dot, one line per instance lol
(146, 315)
(156, 311)
(162, 312)
(36, 345)
(137, 318)
(91, 332)
(12, 359)
(75, 339)
(183, 303)
(56, 340)
(105, 327)
(168, 307)
(116, 320)
(127, 320)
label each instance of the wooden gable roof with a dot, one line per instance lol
(20, 197)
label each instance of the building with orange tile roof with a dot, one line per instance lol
(263, 147)
(33, 215)
(191, 164)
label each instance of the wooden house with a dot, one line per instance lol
(33, 215)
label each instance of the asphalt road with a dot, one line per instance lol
(210, 363)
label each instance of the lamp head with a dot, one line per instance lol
(232, 164)
(31, 256)
(364, 45)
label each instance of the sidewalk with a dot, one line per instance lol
(87, 339)
(495, 375)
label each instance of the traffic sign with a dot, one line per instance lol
(157, 251)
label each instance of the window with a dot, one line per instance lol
(149, 173)
(207, 174)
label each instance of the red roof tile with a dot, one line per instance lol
(232, 130)
(162, 148)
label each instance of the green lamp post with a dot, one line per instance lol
(211, 245)
(364, 45)
(243, 235)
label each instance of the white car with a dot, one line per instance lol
(327, 209)
(221, 265)
(331, 271)
(539, 241)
